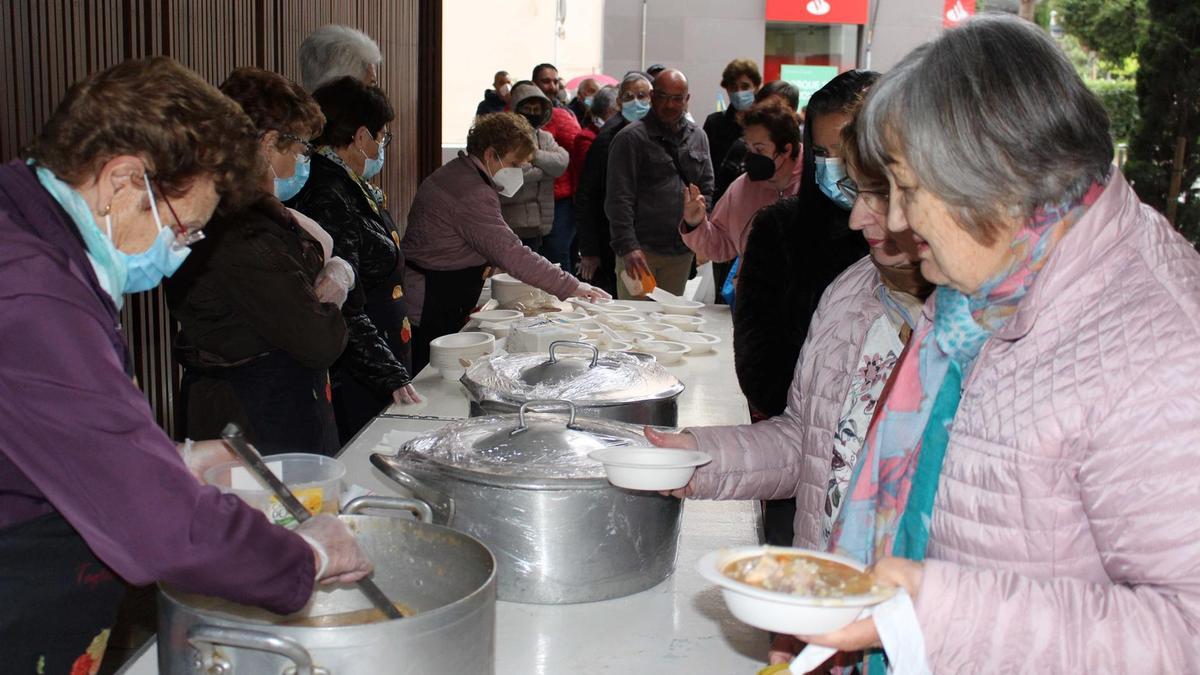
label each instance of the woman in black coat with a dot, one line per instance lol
(374, 371)
(796, 248)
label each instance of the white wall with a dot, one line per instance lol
(901, 26)
(696, 36)
(480, 37)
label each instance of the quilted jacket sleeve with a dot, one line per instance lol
(367, 355)
(1140, 490)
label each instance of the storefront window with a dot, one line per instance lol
(810, 44)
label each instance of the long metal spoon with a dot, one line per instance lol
(232, 435)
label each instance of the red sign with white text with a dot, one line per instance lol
(955, 12)
(820, 11)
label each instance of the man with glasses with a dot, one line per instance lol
(651, 162)
(556, 246)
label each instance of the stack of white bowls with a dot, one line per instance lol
(448, 352)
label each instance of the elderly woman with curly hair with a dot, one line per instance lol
(121, 178)
(456, 230)
(1031, 479)
(259, 301)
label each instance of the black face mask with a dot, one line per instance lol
(535, 119)
(758, 167)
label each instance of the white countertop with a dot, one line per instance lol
(680, 626)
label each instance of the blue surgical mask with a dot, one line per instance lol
(286, 188)
(742, 100)
(147, 269)
(373, 166)
(829, 171)
(587, 101)
(635, 110)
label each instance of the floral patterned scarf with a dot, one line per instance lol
(374, 194)
(889, 504)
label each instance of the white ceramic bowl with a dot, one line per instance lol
(667, 353)
(699, 343)
(446, 352)
(659, 328)
(680, 321)
(617, 345)
(602, 306)
(784, 612)
(649, 468)
(507, 289)
(622, 319)
(571, 317)
(681, 306)
(497, 315)
(634, 336)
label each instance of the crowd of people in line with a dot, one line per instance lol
(969, 350)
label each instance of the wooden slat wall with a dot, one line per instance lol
(45, 45)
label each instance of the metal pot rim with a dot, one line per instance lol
(429, 616)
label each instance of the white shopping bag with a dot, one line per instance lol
(703, 287)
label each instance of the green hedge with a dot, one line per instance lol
(1120, 100)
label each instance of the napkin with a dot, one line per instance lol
(899, 631)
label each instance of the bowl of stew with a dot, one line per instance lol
(790, 590)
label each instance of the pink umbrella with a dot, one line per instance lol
(600, 78)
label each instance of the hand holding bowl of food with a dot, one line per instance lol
(790, 590)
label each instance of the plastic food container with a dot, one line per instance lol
(314, 479)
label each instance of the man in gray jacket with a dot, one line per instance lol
(530, 212)
(650, 163)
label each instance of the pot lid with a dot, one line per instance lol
(527, 446)
(584, 377)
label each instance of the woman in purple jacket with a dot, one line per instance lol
(120, 180)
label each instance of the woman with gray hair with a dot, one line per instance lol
(332, 52)
(1030, 480)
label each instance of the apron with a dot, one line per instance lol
(449, 298)
(355, 403)
(282, 405)
(57, 600)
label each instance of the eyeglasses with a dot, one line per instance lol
(677, 98)
(183, 236)
(306, 148)
(875, 200)
(386, 140)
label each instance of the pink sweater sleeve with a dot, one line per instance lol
(753, 461)
(712, 238)
(1138, 487)
(492, 238)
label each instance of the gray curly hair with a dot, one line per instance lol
(332, 52)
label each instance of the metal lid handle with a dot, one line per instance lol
(521, 426)
(574, 343)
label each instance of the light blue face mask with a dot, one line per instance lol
(373, 166)
(147, 269)
(829, 171)
(635, 110)
(742, 100)
(587, 102)
(286, 188)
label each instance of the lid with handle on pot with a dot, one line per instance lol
(571, 371)
(532, 448)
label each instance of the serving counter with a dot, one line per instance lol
(679, 626)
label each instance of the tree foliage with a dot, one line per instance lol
(1113, 28)
(1168, 90)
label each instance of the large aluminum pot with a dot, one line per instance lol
(447, 578)
(524, 485)
(613, 385)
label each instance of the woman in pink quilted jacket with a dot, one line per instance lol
(1032, 477)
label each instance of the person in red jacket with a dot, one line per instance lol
(557, 246)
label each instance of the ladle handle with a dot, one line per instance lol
(232, 435)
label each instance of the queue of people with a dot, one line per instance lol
(967, 346)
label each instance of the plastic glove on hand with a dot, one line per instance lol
(590, 292)
(339, 557)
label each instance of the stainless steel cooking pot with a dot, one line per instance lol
(446, 577)
(614, 385)
(524, 485)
